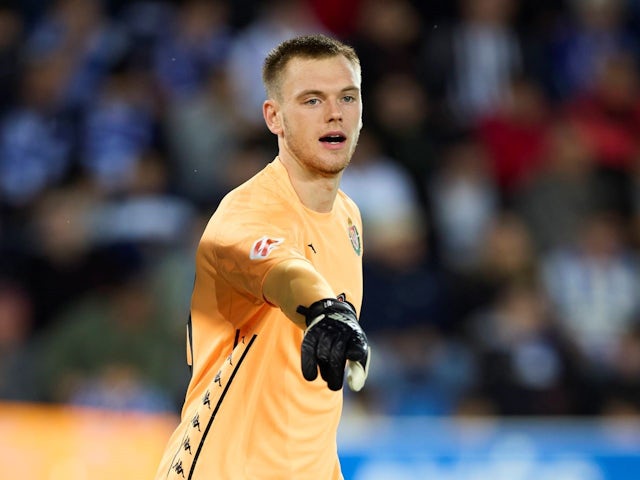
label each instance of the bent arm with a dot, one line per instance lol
(293, 283)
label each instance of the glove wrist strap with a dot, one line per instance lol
(317, 308)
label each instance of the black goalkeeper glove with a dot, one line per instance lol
(333, 339)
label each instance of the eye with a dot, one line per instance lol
(312, 101)
(348, 99)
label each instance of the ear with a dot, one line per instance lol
(270, 110)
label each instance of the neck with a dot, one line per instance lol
(316, 191)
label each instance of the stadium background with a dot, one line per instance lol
(499, 179)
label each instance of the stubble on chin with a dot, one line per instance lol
(333, 168)
(339, 163)
(328, 164)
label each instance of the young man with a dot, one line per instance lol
(278, 284)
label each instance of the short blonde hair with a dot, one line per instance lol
(306, 46)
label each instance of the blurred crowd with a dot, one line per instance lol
(498, 175)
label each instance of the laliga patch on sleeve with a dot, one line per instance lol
(263, 247)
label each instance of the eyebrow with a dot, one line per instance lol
(304, 93)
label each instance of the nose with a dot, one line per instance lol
(334, 111)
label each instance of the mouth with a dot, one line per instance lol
(333, 139)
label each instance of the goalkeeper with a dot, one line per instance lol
(274, 328)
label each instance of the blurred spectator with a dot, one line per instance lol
(36, 135)
(145, 23)
(514, 135)
(593, 284)
(80, 32)
(404, 296)
(525, 364)
(54, 259)
(464, 200)
(106, 350)
(608, 114)
(275, 22)
(507, 251)
(253, 154)
(557, 200)
(590, 32)
(387, 39)
(418, 371)
(143, 215)
(119, 127)
(506, 256)
(400, 117)
(337, 16)
(470, 62)
(202, 136)
(195, 43)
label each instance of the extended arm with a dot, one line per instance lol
(293, 283)
(333, 337)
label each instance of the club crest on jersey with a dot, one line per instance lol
(262, 247)
(354, 236)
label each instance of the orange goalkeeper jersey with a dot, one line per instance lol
(248, 412)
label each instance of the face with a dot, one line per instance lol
(318, 113)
